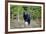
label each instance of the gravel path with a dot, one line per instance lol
(21, 24)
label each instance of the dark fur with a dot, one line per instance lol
(26, 18)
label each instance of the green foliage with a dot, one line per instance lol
(35, 11)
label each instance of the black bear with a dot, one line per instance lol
(26, 16)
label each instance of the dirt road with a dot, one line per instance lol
(16, 24)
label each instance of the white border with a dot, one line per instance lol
(24, 29)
